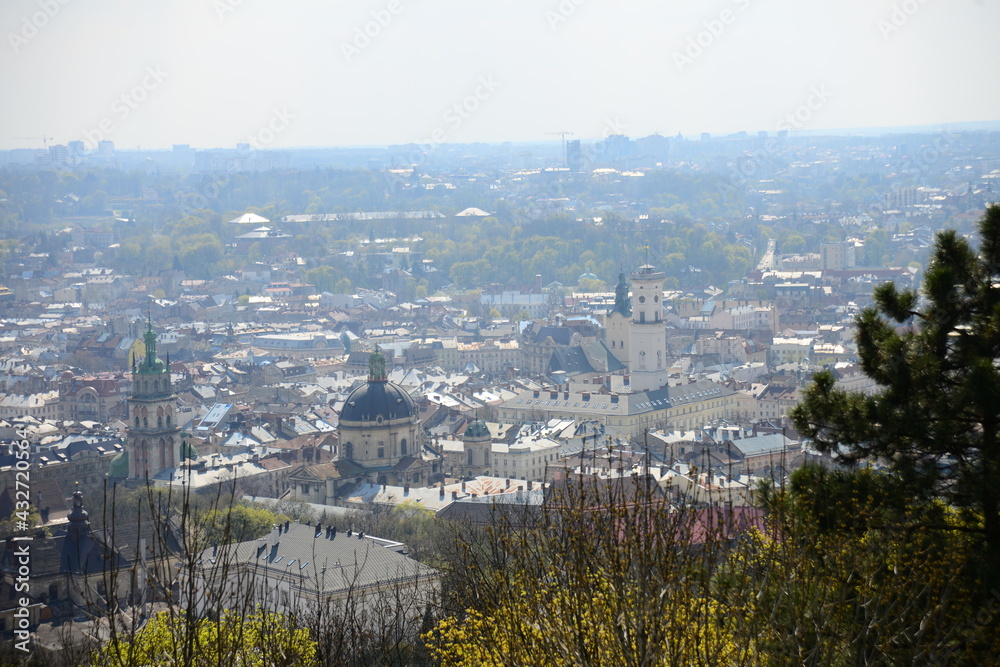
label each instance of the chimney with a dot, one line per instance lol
(463, 487)
(507, 485)
(538, 282)
(529, 485)
(406, 489)
(441, 494)
(454, 495)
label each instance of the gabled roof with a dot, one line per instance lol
(249, 219)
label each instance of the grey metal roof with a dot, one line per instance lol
(323, 564)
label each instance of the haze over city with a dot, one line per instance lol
(465, 334)
(213, 73)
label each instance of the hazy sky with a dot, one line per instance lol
(212, 73)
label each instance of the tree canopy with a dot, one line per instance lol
(935, 421)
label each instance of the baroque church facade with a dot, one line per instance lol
(380, 441)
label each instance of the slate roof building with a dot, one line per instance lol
(296, 567)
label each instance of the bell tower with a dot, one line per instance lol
(648, 340)
(153, 437)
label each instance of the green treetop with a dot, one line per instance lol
(936, 420)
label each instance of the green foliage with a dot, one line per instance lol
(620, 577)
(239, 523)
(257, 640)
(935, 422)
(9, 526)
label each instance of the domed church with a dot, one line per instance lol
(380, 435)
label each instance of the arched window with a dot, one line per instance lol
(486, 457)
(381, 450)
(470, 457)
(159, 422)
(137, 421)
(402, 447)
(168, 421)
(145, 422)
(348, 451)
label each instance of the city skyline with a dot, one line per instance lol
(217, 73)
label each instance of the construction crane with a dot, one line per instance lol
(563, 134)
(45, 140)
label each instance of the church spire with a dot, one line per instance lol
(150, 363)
(623, 305)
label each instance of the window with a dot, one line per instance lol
(381, 451)
(305, 488)
(402, 446)
(470, 457)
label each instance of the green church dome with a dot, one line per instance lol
(188, 451)
(477, 429)
(119, 465)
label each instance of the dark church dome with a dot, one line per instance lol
(477, 429)
(377, 399)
